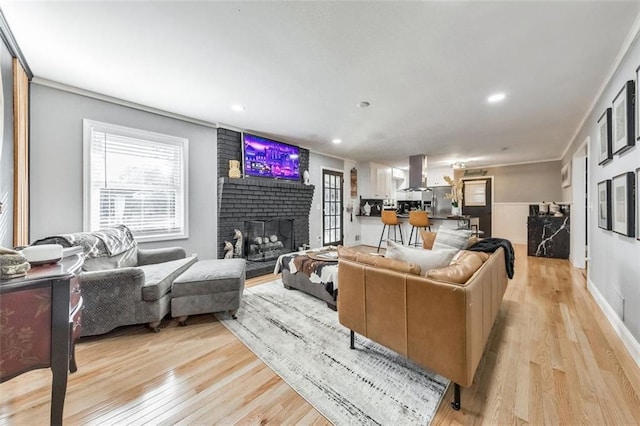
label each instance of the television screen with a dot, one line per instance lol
(267, 158)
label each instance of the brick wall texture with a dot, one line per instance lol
(240, 200)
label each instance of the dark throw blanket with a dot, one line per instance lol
(491, 245)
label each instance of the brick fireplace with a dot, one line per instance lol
(255, 199)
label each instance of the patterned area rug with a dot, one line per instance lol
(302, 341)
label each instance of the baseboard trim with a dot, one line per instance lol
(621, 330)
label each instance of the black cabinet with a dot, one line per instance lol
(548, 236)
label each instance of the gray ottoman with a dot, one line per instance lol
(208, 286)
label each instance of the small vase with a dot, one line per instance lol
(367, 209)
(234, 169)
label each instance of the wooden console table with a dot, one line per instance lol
(40, 320)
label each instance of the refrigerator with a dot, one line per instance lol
(435, 202)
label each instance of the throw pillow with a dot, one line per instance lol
(451, 239)
(425, 259)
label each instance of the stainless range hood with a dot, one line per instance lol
(417, 174)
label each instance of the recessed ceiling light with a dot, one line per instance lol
(337, 141)
(496, 97)
(363, 104)
(237, 108)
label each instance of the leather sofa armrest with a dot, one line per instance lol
(153, 256)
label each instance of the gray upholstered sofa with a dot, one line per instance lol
(122, 284)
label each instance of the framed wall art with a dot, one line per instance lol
(636, 103)
(354, 182)
(604, 204)
(623, 205)
(605, 153)
(565, 175)
(623, 119)
(638, 203)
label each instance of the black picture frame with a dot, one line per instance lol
(638, 203)
(623, 119)
(623, 204)
(635, 104)
(604, 204)
(605, 152)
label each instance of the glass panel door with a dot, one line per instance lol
(331, 207)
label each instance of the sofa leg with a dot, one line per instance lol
(233, 314)
(154, 326)
(456, 397)
(182, 321)
(352, 346)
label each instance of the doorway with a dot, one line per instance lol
(477, 202)
(332, 218)
(579, 251)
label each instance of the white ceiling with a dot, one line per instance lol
(300, 68)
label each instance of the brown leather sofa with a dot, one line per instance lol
(443, 326)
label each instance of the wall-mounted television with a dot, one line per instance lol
(264, 157)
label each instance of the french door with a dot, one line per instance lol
(332, 220)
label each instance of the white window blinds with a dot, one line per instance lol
(136, 178)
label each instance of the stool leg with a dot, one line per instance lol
(401, 239)
(411, 235)
(382, 235)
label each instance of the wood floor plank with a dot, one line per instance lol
(551, 358)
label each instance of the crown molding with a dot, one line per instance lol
(12, 45)
(632, 36)
(89, 94)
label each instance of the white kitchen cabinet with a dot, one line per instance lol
(435, 176)
(380, 181)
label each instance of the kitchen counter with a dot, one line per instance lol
(371, 226)
(434, 217)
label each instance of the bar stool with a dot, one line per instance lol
(418, 219)
(390, 218)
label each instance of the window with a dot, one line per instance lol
(137, 178)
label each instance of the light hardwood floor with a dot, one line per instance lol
(552, 358)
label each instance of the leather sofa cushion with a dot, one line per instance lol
(425, 259)
(378, 261)
(462, 267)
(160, 276)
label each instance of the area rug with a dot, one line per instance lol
(300, 339)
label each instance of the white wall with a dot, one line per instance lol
(351, 222)
(510, 221)
(318, 162)
(614, 269)
(56, 164)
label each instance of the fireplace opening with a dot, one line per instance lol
(268, 239)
